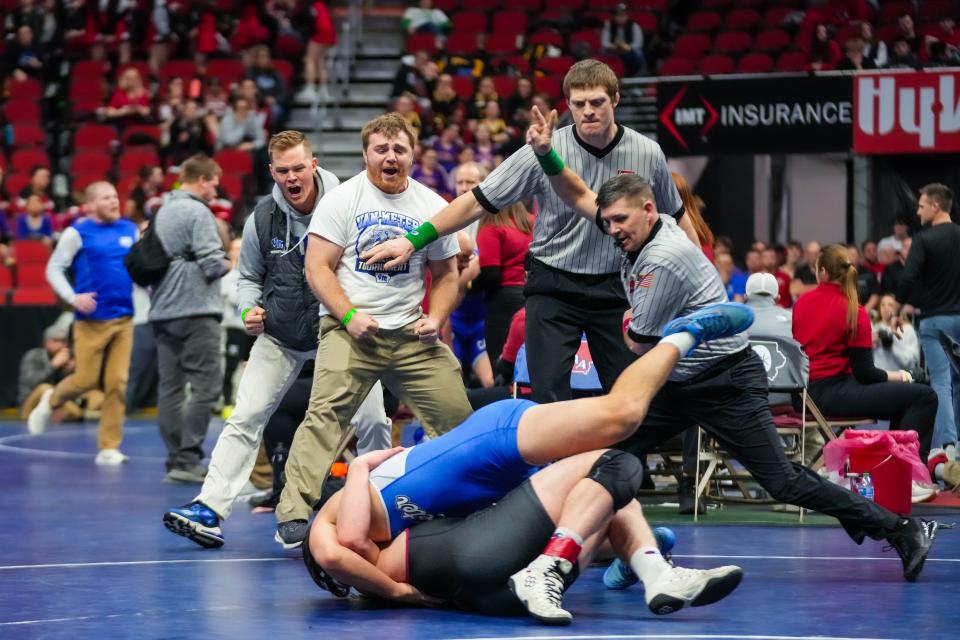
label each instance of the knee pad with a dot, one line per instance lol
(620, 473)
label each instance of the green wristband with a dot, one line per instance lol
(551, 163)
(422, 236)
(346, 318)
(243, 314)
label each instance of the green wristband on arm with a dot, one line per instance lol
(552, 163)
(348, 317)
(243, 314)
(422, 236)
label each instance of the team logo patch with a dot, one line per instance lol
(126, 242)
(278, 243)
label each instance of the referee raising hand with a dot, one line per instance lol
(573, 285)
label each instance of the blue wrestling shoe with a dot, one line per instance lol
(712, 322)
(197, 522)
(619, 575)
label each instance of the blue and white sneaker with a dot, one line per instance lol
(712, 322)
(197, 522)
(619, 575)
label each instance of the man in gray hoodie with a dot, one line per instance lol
(279, 308)
(185, 312)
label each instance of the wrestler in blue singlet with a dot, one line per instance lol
(468, 322)
(462, 471)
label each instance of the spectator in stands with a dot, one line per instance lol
(185, 312)
(486, 92)
(467, 339)
(835, 332)
(25, 58)
(406, 107)
(448, 146)
(503, 241)
(499, 131)
(323, 35)
(130, 102)
(429, 173)
(892, 351)
(43, 367)
(188, 135)
(908, 33)
(445, 102)
(409, 77)
(824, 51)
(623, 37)
(771, 259)
(145, 197)
(868, 288)
(171, 106)
(424, 18)
(101, 293)
(216, 100)
(871, 257)
(734, 281)
(34, 223)
(873, 49)
(753, 261)
(942, 55)
(27, 12)
(890, 281)
(241, 128)
(39, 185)
(946, 31)
(901, 231)
(521, 98)
(855, 58)
(485, 151)
(270, 84)
(805, 277)
(902, 57)
(793, 256)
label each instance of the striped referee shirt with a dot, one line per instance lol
(670, 277)
(563, 239)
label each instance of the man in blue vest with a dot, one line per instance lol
(102, 298)
(278, 307)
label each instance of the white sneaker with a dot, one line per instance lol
(923, 492)
(540, 588)
(110, 457)
(677, 587)
(323, 94)
(308, 94)
(39, 418)
(951, 451)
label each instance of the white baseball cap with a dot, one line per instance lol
(762, 284)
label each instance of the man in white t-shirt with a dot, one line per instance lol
(374, 327)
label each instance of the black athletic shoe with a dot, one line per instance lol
(290, 534)
(912, 538)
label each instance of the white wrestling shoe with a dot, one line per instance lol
(110, 457)
(677, 587)
(540, 588)
(39, 418)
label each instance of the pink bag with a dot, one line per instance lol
(902, 445)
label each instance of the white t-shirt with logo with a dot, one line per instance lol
(356, 216)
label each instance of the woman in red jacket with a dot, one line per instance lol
(834, 330)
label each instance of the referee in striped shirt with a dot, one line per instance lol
(573, 285)
(722, 386)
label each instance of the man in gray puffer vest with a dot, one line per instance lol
(279, 308)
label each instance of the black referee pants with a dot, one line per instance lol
(730, 402)
(560, 307)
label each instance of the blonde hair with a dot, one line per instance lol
(835, 261)
(692, 207)
(390, 125)
(515, 215)
(199, 166)
(285, 140)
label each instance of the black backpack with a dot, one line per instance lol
(147, 261)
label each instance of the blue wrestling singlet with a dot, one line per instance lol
(462, 471)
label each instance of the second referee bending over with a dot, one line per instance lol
(573, 285)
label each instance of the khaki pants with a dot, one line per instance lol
(425, 377)
(102, 352)
(69, 411)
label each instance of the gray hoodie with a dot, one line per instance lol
(251, 263)
(185, 227)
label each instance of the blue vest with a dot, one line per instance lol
(98, 267)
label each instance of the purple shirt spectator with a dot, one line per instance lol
(447, 153)
(37, 228)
